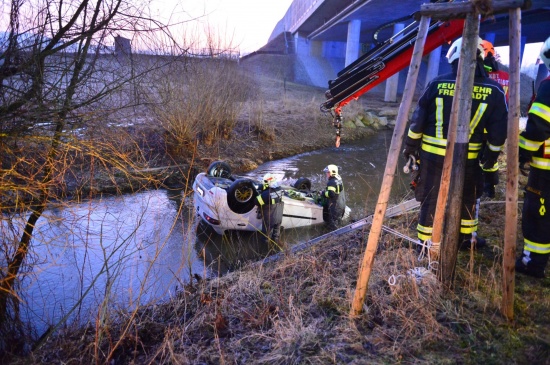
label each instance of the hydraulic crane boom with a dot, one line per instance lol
(382, 62)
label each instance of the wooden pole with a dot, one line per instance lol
(510, 230)
(460, 9)
(448, 215)
(449, 202)
(389, 173)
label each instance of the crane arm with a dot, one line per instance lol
(382, 62)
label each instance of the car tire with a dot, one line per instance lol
(303, 184)
(219, 169)
(241, 196)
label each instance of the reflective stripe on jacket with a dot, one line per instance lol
(430, 121)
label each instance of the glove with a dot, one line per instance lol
(489, 158)
(525, 158)
(411, 148)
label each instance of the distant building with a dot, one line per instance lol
(123, 47)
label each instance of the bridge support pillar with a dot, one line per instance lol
(301, 44)
(433, 65)
(393, 82)
(353, 44)
(522, 49)
(316, 48)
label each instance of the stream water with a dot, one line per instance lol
(136, 249)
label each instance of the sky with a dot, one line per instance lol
(531, 53)
(248, 23)
(530, 57)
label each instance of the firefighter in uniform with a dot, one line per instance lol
(335, 197)
(427, 139)
(534, 145)
(490, 174)
(270, 203)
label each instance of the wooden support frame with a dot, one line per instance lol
(459, 10)
(470, 11)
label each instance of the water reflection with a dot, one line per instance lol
(132, 250)
(223, 254)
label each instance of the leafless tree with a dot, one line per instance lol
(58, 76)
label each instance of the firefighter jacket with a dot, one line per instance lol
(503, 80)
(536, 137)
(270, 201)
(430, 121)
(335, 195)
(492, 68)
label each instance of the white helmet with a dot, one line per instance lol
(545, 53)
(269, 179)
(332, 169)
(454, 52)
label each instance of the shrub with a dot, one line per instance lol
(198, 101)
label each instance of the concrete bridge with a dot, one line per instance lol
(327, 35)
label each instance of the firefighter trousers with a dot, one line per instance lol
(427, 191)
(536, 220)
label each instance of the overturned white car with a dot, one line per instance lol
(226, 202)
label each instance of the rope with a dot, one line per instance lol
(417, 273)
(399, 234)
(426, 252)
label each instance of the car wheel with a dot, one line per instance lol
(219, 169)
(303, 184)
(241, 196)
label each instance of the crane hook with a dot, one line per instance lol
(337, 123)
